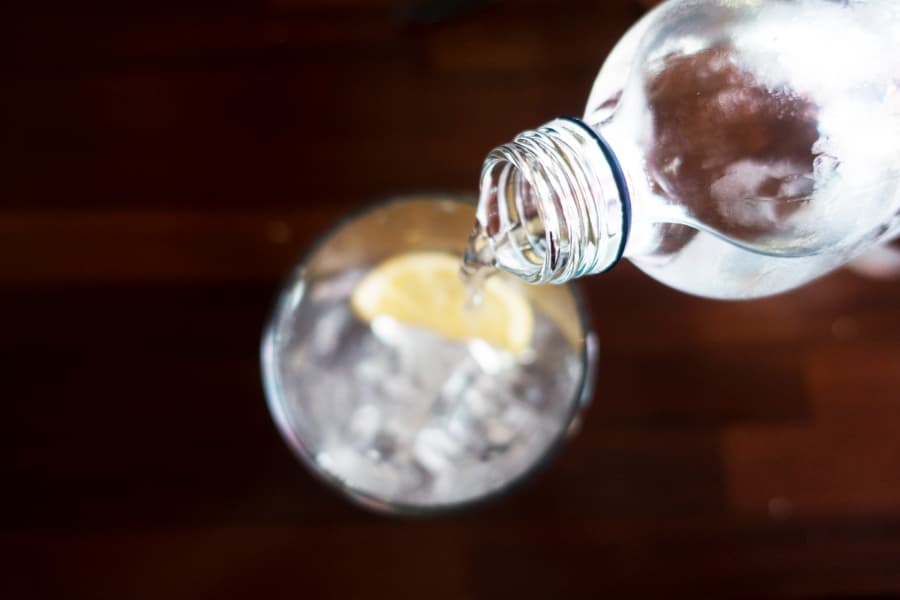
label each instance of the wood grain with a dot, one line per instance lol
(164, 164)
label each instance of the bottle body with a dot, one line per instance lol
(758, 144)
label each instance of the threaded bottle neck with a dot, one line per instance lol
(553, 204)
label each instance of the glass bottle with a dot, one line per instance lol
(729, 149)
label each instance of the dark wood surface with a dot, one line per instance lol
(165, 163)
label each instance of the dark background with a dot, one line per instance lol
(163, 165)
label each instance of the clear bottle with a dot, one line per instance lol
(730, 149)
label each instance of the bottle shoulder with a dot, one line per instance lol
(746, 120)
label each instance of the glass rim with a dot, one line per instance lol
(582, 396)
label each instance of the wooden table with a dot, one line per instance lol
(165, 163)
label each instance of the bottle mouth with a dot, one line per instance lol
(512, 226)
(550, 205)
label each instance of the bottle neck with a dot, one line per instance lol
(553, 204)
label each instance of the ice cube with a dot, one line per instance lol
(499, 433)
(491, 359)
(327, 334)
(435, 450)
(365, 422)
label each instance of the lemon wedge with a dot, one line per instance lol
(424, 289)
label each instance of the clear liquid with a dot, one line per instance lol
(478, 265)
(404, 415)
(706, 265)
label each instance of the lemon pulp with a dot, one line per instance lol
(424, 289)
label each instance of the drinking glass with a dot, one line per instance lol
(396, 417)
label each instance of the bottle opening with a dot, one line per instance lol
(545, 203)
(509, 231)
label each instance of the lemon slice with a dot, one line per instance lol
(424, 289)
